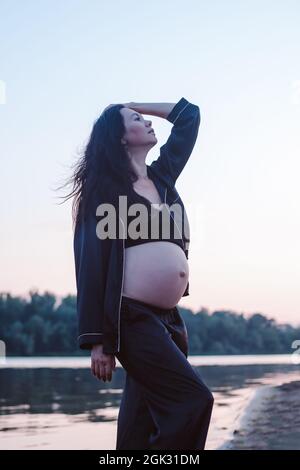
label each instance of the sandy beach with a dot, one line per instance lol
(271, 420)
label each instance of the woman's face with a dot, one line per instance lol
(138, 131)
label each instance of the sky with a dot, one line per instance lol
(63, 62)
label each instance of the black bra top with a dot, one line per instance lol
(172, 235)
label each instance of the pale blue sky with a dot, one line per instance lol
(62, 62)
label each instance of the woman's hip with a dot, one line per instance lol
(144, 318)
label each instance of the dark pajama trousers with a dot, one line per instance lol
(165, 404)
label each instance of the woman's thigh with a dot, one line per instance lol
(178, 402)
(154, 352)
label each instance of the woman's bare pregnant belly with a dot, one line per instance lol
(156, 273)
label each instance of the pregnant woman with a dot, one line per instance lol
(132, 270)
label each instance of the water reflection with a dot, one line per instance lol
(56, 407)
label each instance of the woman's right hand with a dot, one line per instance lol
(127, 105)
(102, 364)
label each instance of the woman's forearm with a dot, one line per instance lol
(154, 109)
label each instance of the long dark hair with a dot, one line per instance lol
(103, 172)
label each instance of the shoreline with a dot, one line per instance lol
(271, 420)
(83, 361)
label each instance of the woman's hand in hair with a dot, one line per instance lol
(127, 105)
(102, 364)
(107, 107)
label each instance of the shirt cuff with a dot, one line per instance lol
(178, 108)
(87, 340)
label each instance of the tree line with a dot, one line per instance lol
(41, 325)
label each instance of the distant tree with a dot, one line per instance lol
(43, 325)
